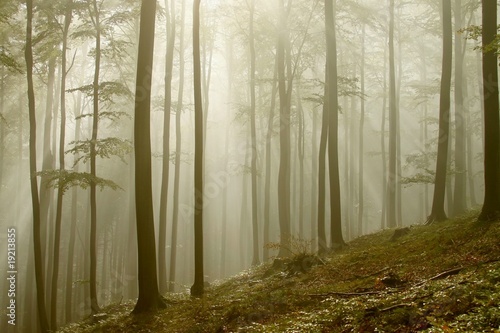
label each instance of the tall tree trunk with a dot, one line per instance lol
(149, 297)
(491, 204)
(314, 181)
(460, 189)
(437, 211)
(385, 184)
(361, 184)
(167, 105)
(60, 190)
(267, 181)
(28, 54)
(255, 218)
(392, 177)
(197, 289)
(284, 168)
(300, 150)
(229, 48)
(94, 305)
(178, 143)
(74, 219)
(331, 100)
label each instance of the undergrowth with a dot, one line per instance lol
(439, 278)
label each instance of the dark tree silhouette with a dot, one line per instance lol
(392, 177)
(491, 205)
(149, 297)
(437, 211)
(331, 100)
(167, 104)
(40, 290)
(255, 225)
(197, 288)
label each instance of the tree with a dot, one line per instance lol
(149, 297)
(167, 105)
(255, 225)
(459, 194)
(392, 177)
(95, 121)
(35, 204)
(60, 192)
(284, 167)
(178, 114)
(437, 210)
(197, 288)
(491, 204)
(332, 103)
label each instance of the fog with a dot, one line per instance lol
(363, 80)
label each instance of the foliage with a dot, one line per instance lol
(107, 90)
(9, 61)
(64, 180)
(104, 148)
(474, 32)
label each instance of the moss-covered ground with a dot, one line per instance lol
(443, 277)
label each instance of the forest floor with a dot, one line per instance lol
(443, 277)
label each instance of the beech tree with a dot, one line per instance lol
(197, 289)
(491, 204)
(437, 211)
(149, 296)
(35, 204)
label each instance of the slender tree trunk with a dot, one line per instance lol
(255, 218)
(491, 205)
(331, 90)
(300, 149)
(93, 200)
(314, 181)
(267, 181)
(178, 143)
(392, 177)
(60, 190)
(197, 288)
(167, 106)
(229, 48)
(361, 184)
(460, 189)
(149, 297)
(74, 219)
(437, 211)
(385, 184)
(28, 54)
(284, 168)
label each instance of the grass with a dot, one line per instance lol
(439, 278)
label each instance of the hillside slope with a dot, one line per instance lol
(439, 278)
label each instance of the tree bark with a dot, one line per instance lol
(197, 289)
(331, 100)
(178, 144)
(28, 54)
(149, 297)
(94, 305)
(167, 106)
(437, 211)
(60, 190)
(284, 167)
(255, 219)
(392, 176)
(491, 204)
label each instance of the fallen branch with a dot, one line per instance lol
(338, 293)
(371, 311)
(441, 275)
